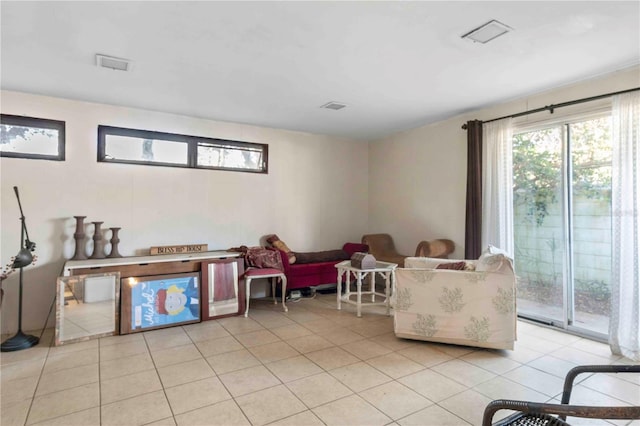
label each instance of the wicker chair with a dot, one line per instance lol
(533, 413)
(440, 248)
(382, 248)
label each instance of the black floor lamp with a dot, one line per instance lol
(23, 258)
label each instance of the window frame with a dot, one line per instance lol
(38, 123)
(192, 143)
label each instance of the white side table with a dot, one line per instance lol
(384, 269)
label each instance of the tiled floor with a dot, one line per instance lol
(312, 366)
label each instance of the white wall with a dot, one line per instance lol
(314, 197)
(417, 178)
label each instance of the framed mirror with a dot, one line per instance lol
(87, 307)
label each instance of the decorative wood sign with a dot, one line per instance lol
(181, 249)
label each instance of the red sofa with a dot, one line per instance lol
(301, 275)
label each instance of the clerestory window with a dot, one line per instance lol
(29, 137)
(131, 146)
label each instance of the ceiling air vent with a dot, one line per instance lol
(487, 32)
(334, 106)
(110, 62)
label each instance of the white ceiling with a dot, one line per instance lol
(397, 65)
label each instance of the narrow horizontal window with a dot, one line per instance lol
(131, 146)
(29, 137)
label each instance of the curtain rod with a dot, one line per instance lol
(552, 107)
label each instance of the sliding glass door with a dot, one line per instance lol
(562, 223)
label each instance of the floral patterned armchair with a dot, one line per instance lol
(468, 303)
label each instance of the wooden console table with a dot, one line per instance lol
(221, 272)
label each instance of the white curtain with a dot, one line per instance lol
(624, 325)
(497, 185)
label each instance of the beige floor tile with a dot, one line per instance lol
(239, 325)
(303, 316)
(372, 328)
(175, 355)
(351, 410)
(140, 410)
(249, 380)
(123, 350)
(593, 347)
(273, 352)
(88, 417)
(318, 389)
(67, 360)
(579, 357)
(272, 320)
(295, 368)
(432, 385)
(291, 331)
(205, 330)
(424, 354)
(218, 346)
(128, 386)
(395, 400)
(166, 338)
(501, 388)
(322, 326)
(311, 343)
(20, 370)
(493, 361)
(522, 354)
(177, 374)
(366, 349)
(197, 396)
(35, 353)
(191, 396)
(555, 366)
(64, 402)
(169, 421)
(269, 405)
(395, 365)
(453, 350)
(232, 361)
(360, 376)
(615, 387)
(257, 338)
(121, 339)
(433, 416)
(537, 380)
(468, 405)
(12, 391)
(66, 379)
(463, 372)
(538, 344)
(306, 418)
(582, 395)
(15, 414)
(223, 413)
(394, 343)
(341, 336)
(557, 336)
(125, 366)
(74, 347)
(333, 357)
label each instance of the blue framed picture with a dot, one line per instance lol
(159, 301)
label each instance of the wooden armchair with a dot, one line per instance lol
(535, 413)
(439, 248)
(382, 248)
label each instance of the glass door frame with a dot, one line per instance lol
(567, 323)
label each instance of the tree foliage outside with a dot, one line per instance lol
(538, 165)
